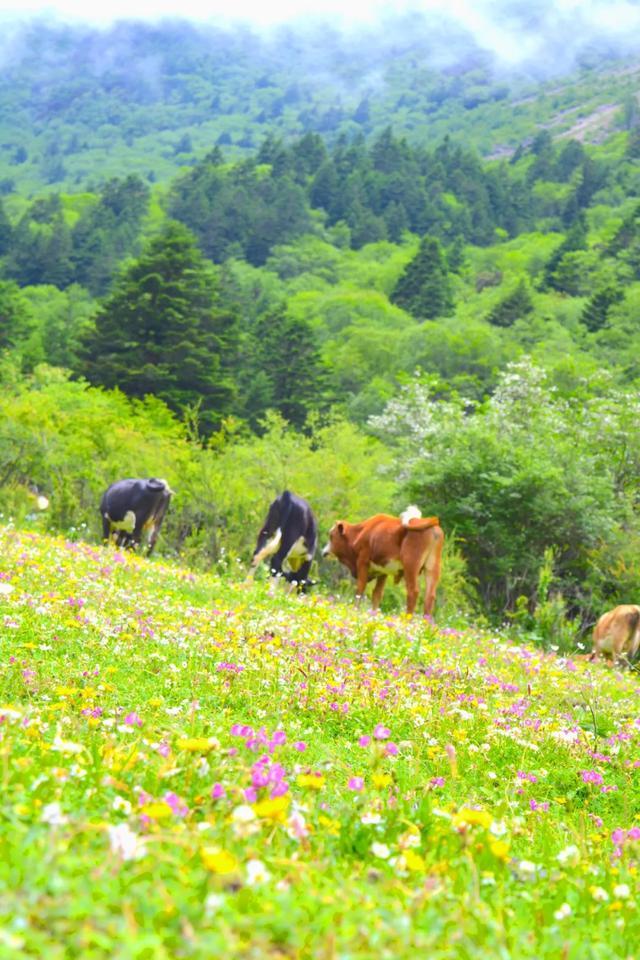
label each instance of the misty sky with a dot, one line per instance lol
(515, 30)
(611, 15)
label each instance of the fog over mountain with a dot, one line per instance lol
(84, 97)
(548, 36)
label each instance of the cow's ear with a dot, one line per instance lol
(340, 526)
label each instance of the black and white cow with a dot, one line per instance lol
(289, 533)
(131, 508)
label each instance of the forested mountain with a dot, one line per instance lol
(408, 251)
(79, 105)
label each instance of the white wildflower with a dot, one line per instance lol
(370, 817)
(213, 903)
(563, 912)
(53, 815)
(66, 746)
(569, 857)
(119, 803)
(297, 826)
(125, 843)
(622, 891)
(257, 873)
(526, 869)
(243, 819)
(380, 850)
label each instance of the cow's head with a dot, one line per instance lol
(337, 545)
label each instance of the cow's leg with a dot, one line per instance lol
(156, 523)
(106, 529)
(378, 590)
(362, 574)
(301, 576)
(432, 571)
(411, 584)
(287, 542)
(154, 530)
(135, 538)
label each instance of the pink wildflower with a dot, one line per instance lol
(381, 732)
(591, 776)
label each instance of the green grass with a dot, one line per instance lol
(137, 700)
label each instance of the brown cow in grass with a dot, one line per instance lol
(617, 633)
(382, 546)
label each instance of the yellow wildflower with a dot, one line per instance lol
(157, 811)
(218, 861)
(272, 809)
(500, 849)
(467, 817)
(332, 827)
(413, 860)
(196, 744)
(381, 780)
(314, 780)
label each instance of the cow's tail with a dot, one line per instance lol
(412, 519)
(425, 523)
(411, 513)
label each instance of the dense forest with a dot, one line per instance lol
(424, 287)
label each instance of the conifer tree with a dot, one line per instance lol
(514, 306)
(285, 369)
(424, 288)
(15, 321)
(5, 230)
(576, 239)
(163, 331)
(596, 312)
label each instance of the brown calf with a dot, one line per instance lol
(383, 546)
(617, 633)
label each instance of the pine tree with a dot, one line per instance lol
(5, 231)
(396, 221)
(15, 320)
(633, 143)
(285, 369)
(576, 239)
(309, 153)
(514, 306)
(424, 289)
(596, 312)
(163, 331)
(40, 246)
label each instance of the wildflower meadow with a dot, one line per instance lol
(197, 766)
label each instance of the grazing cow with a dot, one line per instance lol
(384, 545)
(290, 533)
(617, 633)
(131, 508)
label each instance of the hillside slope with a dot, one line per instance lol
(79, 105)
(194, 766)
